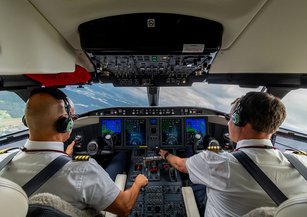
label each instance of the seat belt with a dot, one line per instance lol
(297, 165)
(268, 186)
(39, 179)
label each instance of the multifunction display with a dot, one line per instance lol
(195, 126)
(136, 132)
(171, 132)
(112, 127)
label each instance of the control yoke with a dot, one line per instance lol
(196, 141)
(78, 147)
(110, 146)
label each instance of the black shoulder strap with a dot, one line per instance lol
(268, 186)
(39, 179)
(297, 165)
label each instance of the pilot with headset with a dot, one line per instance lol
(49, 116)
(231, 190)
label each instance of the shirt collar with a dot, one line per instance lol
(32, 145)
(254, 142)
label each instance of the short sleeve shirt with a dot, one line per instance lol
(84, 184)
(231, 190)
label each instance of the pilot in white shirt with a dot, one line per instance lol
(231, 190)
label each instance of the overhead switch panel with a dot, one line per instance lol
(151, 49)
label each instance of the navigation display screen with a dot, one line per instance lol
(194, 126)
(136, 132)
(171, 132)
(112, 127)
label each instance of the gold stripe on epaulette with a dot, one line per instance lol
(214, 148)
(81, 157)
(3, 151)
(300, 152)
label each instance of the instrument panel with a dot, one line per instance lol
(138, 131)
(168, 132)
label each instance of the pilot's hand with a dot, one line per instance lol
(141, 180)
(162, 153)
(70, 148)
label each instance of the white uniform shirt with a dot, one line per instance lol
(82, 183)
(231, 190)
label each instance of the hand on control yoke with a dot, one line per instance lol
(141, 180)
(70, 148)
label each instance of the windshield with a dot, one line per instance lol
(98, 96)
(213, 96)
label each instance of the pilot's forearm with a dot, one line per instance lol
(177, 162)
(125, 201)
(133, 194)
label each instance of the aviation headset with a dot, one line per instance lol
(63, 124)
(239, 117)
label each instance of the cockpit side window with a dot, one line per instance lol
(11, 111)
(295, 102)
(292, 134)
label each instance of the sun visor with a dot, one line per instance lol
(151, 49)
(79, 76)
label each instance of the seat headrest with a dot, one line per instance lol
(13, 200)
(294, 206)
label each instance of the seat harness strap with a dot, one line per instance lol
(7, 159)
(268, 186)
(39, 179)
(297, 165)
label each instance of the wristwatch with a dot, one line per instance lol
(165, 155)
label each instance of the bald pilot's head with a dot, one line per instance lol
(42, 112)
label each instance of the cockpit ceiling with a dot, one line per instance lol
(66, 16)
(259, 36)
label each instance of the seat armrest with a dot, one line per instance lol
(120, 181)
(189, 202)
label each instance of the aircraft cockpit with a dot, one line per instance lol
(153, 77)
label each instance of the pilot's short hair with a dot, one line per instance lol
(263, 111)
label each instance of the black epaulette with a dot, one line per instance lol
(81, 157)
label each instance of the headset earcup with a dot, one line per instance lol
(64, 125)
(70, 125)
(24, 120)
(236, 119)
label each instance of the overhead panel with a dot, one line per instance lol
(151, 49)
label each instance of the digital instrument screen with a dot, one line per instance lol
(171, 132)
(195, 126)
(135, 132)
(112, 127)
